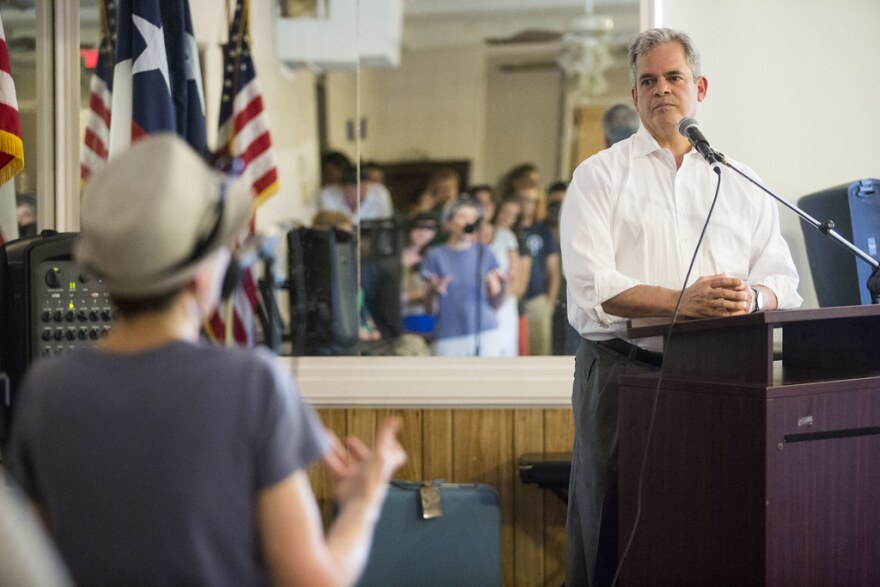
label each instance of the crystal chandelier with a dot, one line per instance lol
(586, 56)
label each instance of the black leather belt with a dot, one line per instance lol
(630, 350)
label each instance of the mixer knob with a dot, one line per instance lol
(52, 279)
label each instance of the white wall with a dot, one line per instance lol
(793, 92)
(513, 138)
(432, 107)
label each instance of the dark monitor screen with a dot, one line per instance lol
(839, 276)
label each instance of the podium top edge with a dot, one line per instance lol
(643, 327)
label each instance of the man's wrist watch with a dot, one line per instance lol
(759, 300)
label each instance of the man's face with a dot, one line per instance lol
(352, 195)
(446, 190)
(25, 214)
(665, 90)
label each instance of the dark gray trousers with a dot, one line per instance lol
(591, 528)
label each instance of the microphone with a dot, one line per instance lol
(470, 228)
(688, 128)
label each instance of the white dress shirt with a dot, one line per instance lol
(375, 206)
(631, 218)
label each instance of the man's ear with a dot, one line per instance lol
(702, 88)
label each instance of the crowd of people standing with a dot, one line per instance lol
(480, 271)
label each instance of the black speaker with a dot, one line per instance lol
(380, 250)
(839, 276)
(322, 275)
(50, 305)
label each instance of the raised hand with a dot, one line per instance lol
(438, 284)
(361, 474)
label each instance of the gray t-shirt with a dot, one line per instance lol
(149, 464)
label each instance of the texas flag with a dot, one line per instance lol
(157, 82)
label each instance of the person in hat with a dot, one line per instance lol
(158, 459)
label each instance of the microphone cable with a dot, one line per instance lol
(666, 342)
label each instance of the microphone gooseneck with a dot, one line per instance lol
(688, 128)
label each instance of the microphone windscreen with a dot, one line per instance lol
(685, 124)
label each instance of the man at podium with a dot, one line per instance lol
(629, 228)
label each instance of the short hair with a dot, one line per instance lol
(337, 159)
(444, 173)
(557, 186)
(619, 122)
(516, 177)
(462, 201)
(368, 166)
(350, 175)
(482, 187)
(649, 40)
(326, 219)
(28, 199)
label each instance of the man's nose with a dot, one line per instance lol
(661, 87)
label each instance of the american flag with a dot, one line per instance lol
(96, 143)
(11, 148)
(244, 134)
(157, 82)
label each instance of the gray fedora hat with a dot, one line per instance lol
(153, 213)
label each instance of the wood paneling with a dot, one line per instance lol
(479, 446)
(528, 546)
(558, 437)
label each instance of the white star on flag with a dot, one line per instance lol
(153, 57)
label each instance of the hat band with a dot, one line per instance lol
(206, 241)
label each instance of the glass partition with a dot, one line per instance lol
(497, 100)
(381, 126)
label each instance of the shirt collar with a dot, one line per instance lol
(645, 144)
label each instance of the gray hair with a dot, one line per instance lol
(651, 38)
(619, 122)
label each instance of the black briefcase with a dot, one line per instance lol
(436, 534)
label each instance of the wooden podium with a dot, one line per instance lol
(759, 472)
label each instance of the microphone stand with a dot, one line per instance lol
(826, 228)
(469, 229)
